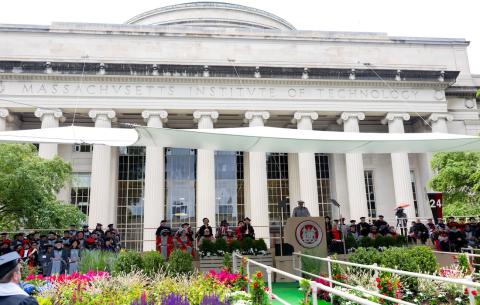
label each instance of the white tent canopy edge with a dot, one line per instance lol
(263, 139)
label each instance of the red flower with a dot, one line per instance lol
(259, 274)
(377, 280)
(465, 291)
(474, 293)
(255, 285)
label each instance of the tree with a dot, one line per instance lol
(458, 177)
(28, 188)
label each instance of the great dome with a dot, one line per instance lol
(212, 15)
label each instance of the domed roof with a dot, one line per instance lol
(212, 14)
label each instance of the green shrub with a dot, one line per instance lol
(221, 246)
(389, 241)
(379, 241)
(207, 246)
(351, 242)
(96, 261)
(365, 256)
(234, 245)
(179, 262)
(401, 241)
(246, 244)
(128, 262)
(424, 259)
(366, 242)
(227, 262)
(152, 262)
(260, 245)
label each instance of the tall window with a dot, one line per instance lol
(180, 176)
(277, 179)
(323, 184)
(370, 190)
(240, 187)
(414, 191)
(131, 178)
(226, 186)
(80, 192)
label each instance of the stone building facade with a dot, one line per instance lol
(214, 65)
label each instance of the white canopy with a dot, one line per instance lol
(266, 139)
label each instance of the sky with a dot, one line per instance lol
(419, 18)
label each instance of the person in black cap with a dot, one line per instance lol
(363, 227)
(381, 225)
(98, 230)
(201, 230)
(248, 230)
(86, 232)
(300, 210)
(10, 291)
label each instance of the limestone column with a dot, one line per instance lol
(357, 197)
(306, 166)
(5, 117)
(402, 181)
(438, 121)
(154, 198)
(257, 209)
(50, 119)
(205, 190)
(102, 207)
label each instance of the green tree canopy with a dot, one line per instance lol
(458, 177)
(28, 188)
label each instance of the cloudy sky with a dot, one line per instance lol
(423, 18)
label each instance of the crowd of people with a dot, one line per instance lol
(184, 238)
(55, 254)
(451, 236)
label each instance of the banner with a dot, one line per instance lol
(435, 202)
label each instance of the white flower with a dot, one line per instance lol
(458, 300)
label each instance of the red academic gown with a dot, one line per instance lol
(184, 245)
(169, 244)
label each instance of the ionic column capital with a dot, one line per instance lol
(435, 117)
(94, 114)
(297, 116)
(162, 114)
(5, 114)
(345, 116)
(250, 115)
(41, 112)
(197, 115)
(391, 116)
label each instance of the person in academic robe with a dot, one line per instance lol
(99, 231)
(45, 261)
(58, 258)
(381, 224)
(86, 231)
(109, 245)
(52, 238)
(248, 230)
(363, 227)
(239, 229)
(222, 229)
(207, 235)
(373, 232)
(165, 244)
(201, 230)
(10, 275)
(73, 256)
(184, 243)
(5, 247)
(230, 236)
(66, 239)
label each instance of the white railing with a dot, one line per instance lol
(467, 282)
(313, 285)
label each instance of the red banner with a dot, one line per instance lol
(435, 202)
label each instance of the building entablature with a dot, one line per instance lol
(159, 71)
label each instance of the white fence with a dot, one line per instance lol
(313, 285)
(467, 282)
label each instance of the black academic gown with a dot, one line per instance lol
(17, 300)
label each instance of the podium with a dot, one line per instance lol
(307, 233)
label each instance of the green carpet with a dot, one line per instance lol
(290, 293)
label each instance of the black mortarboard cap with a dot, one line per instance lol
(8, 262)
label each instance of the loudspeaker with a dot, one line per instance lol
(287, 249)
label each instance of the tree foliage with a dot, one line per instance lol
(28, 188)
(458, 177)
